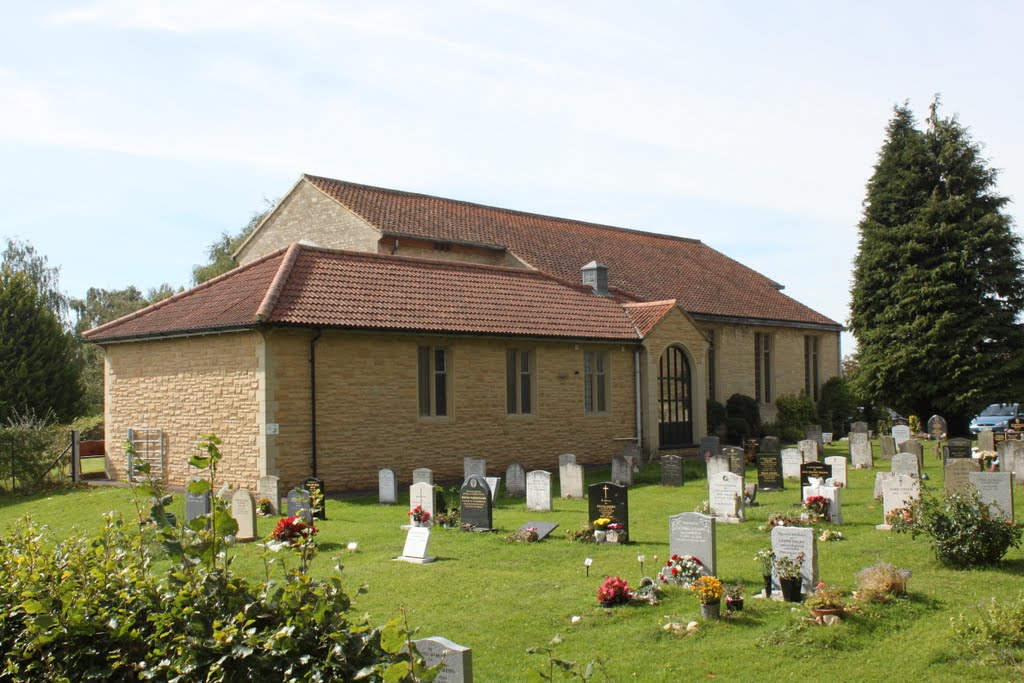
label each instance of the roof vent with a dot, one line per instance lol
(596, 275)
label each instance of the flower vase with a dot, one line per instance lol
(600, 535)
(791, 589)
(767, 585)
(711, 610)
(734, 605)
(417, 522)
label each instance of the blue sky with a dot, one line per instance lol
(132, 132)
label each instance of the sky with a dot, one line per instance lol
(134, 132)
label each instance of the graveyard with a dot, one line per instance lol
(500, 598)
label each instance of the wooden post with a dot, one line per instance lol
(76, 457)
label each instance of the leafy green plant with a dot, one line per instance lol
(993, 632)
(28, 446)
(564, 667)
(794, 413)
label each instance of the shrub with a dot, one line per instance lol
(881, 581)
(794, 414)
(995, 633)
(745, 408)
(963, 530)
(716, 417)
(836, 406)
(90, 428)
(28, 446)
(736, 430)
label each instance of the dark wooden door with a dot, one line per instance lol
(675, 403)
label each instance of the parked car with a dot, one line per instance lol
(996, 417)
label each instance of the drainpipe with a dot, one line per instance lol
(636, 382)
(312, 394)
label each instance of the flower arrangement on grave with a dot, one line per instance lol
(682, 570)
(900, 519)
(704, 508)
(615, 526)
(988, 460)
(292, 530)
(765, 558)
(708, 589)
(527, 535)
(784, 520)
(264, 508)
(601, 523)
(827, 597)
(584, 535)
(419, 515)
(449, 519)
(789, 567)
(817, 506)
(881, 582)
(734, 596)
(614, 591)
(828, 535)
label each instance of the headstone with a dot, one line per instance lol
(770, 444)
(749, 494)
(857, 437)
(197, 506)
(570, 480)
(905, 463)
(671, 470)
(958, 448)
(1011, 458)
(917, 448)
(817, 470)
(316, 490)
(493, 483)
(717, 464)
(792, 541)
(813, 432)
(838, 465)
(986, 440)
(243, 509)
(538, 490)
(769, 472)
(725, 493)
(477, 508)
(937, 427)
(859, 428)
(566, 459)
(543, 529)
(750, 449)
(422, 494)
(808, 450)
(791, 461)
(473, 466)
(900, 422)
(515, 481)
(861, 456)
(423, 475)
(737, 459)
(957, 473)
(610, 501)
(826, 437)
(387, 486)
(898, 492)
(900, 433)
(833, 493)
(691, 534)
(299, 505)
(417, 542)
(269, 487)
(995, 489)
(622, 471)
(887, 445)
(880, 479)
(458, 660)
(710, 445)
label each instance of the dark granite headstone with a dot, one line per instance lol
(770, 444)
(609, 500)
(814, 469)
(710, 445)
(737, 459)
(196, 506)
(315, 485)
(299, 505)
(937, 427)
(958, 448)
(476, 503)
(769, 472)
(671, 470)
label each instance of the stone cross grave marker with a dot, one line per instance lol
(792, 541)
(887, 446)
(717, 464)
(299, 505)
(316, 490)
(387, 487)
(808, 450)
(417, 543)
(770, 444)
(543, 529)
(196, 506)
(474, 466)
(610, 501)
(458, 660)
(905, 463)
(422, 494)
(515, 481)
(476, 502)
(900, 433)
(958, 448)
(691, 534)
(737, 459)
(880, 478)
(791, 461)
(995, 489)
(725, 493)
(566, 459)
(986, 440)
(622, 472)
(671, 470)
(269, 487)
(493, 483)
(243, 509)
(838, 465)
(769, 472)
(937, 427)
(710, 445)
(898, 492)
(861, 455)
(813, 432)
(833, 493)
(570, 480)
(423, 475)
(817, 470)
(957, 473)
(538, 490)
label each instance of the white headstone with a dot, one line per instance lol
(791, 461)
(717, 464)
(417, 542)
(243, 509)
(905, 463)
(387, 487)
(996, 490)
(898, 492)
(269, 487)
(791, 541)
(808, 449)
(900, 433)
(726, 497)
(833, 493)
(458, 660)
(538, 490)
(422, 494)
(570, 480)
(838, 464)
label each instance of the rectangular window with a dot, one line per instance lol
(518, 382)
(432, 379)
(763, 367)
(595, 381)
(711, 363)
(811, 367)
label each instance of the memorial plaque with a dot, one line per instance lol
(387, 487)
(269, 487)
(957, 473)
(422, 495)
(423, 475)
(610, 501)
(474, 466)
(671, 470)
(937, 427)
(995, 489)
(622, 471)
(817, 470)
(243, 509)
(769, 472)
(538, 491)
(515, 481)
(417, 543)
(570, 480)
(692, 534)
(543, 529)
(791, 541)
(958, 448)
(299, 505)
(476, 502)
(725, 494)
(316, 490)
(791, 461)
(458, 660)
(838, 465)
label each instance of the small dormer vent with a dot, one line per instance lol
(596, 275)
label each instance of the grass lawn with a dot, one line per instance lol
(500, 599)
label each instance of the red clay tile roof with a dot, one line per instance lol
(651, 266)
(311, 286)
(647, 315)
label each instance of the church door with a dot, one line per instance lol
(675, 403)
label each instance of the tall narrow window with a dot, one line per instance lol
(763, 367)
(811, 367)
(595, 382)
(432, 379)
(519, 382)
(711, 363)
